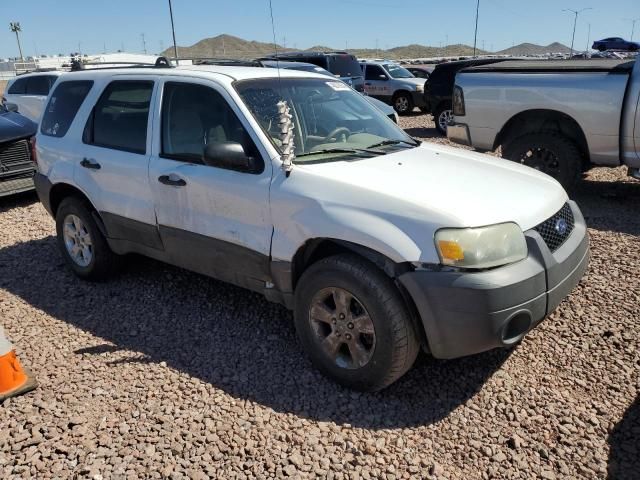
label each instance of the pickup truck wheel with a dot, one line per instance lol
(82, 245)
(353, 323)
(551, 153)
(403, 104)
(442, 116)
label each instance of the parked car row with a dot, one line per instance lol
(296, 187)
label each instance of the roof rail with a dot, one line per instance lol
(233, 62)
(161, 62)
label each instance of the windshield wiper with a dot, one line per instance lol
(340, 150)
(393, 142)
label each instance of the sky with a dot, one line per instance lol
(90, 26)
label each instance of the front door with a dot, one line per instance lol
(376, 82)
(212, 220)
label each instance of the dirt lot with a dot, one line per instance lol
(162, 373)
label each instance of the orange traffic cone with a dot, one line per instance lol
(14, 380)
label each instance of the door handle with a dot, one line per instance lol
(172, 180)
(368, 84)
(90, 163)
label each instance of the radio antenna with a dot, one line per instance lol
(285, 118)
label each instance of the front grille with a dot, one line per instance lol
(557, 229)
(15, 160)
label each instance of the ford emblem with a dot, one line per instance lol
(561, 226)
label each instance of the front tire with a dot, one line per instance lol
(81, 243)
(353, 323)
(403, 104)
(550, 153)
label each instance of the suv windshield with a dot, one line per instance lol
(344, 66)
(396, 71)
(332, 121)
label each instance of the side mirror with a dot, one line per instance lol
(229, 155)
(11, 107)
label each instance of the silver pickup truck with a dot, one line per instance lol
(560, 117)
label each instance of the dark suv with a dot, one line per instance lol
(439, 88)
(341, 64)
(16, 144)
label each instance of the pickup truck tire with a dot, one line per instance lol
(549, 152)
(352, 322)
(81, 243)
(403, 103)
(442, 116)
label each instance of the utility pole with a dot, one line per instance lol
(475, 37)
(144, 44)
(633, 26)
(15, 28)
(173, 32)
(588, 40)
(575, 22)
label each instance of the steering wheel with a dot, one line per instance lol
(335, 132)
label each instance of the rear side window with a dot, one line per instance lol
(18, 87)
(63, 106)
(39, 85)
(119, 119)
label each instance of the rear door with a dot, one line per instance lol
(212, 220)
(114, 162)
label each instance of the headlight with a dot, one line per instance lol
(419, 88)
(483, 247)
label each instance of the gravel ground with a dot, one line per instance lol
(162, 373)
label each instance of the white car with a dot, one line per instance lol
(29, 93)
(379, 244)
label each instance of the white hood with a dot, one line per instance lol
(447, 187)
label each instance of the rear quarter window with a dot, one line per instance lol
(18, 87)
(40, 84)
(63, 106)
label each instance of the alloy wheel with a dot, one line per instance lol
(77, 240)
(444, 119)
(343, 328)
(542, 159)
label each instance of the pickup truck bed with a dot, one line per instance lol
(558, 116)
(556, 66)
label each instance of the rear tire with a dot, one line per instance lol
(550, 152)
(441, 117)
(81, 243)
(352, 322)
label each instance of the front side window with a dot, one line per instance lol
(119, 119)
(63, 105)
(194, 116)
(331, 120)
(374, 72)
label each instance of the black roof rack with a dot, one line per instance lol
(304, 53)
(161, 62)
(226, 62)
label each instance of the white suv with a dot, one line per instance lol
(378, 243)
(29, 93)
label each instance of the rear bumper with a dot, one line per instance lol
(43, 188)
(418, 99)
(459, 133)
(466, 313)
(13, 186)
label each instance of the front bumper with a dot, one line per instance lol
(465, 313)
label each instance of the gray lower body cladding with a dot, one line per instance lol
(466, 313)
